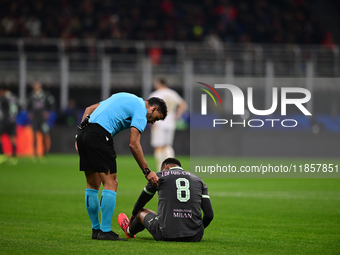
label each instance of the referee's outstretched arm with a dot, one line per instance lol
(138, 154)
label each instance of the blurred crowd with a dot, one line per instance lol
(19, 121)
(232, 21)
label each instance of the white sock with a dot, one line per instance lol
(169, 152)
(159, 156)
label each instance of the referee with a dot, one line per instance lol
(181, 196)
(94, 143)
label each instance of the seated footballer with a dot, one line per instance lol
(182, 195)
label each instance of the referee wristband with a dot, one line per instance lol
(146, 171)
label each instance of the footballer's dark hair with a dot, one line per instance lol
(171, 161)
(162, 108)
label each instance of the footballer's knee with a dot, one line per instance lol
(142, 213)
(160, 149)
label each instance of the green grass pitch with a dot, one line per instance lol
(43, 212)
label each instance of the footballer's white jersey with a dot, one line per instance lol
(172, 100)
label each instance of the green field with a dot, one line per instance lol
(43, 212)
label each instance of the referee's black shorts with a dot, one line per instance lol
(152, 224)
(96, 150)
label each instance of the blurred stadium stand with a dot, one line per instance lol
(232, 21)
(85, 50)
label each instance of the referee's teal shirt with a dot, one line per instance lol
(120, 111)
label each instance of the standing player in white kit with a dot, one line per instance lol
(163, 132)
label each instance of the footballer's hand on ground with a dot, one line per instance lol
(152, 178)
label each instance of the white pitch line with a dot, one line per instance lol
(322, 195)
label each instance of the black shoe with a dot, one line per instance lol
(109, 236)
(95, 233)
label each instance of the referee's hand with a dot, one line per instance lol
(152, 178)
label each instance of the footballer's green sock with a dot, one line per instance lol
(92, 206)
(107, 207)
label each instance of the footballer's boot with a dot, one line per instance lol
(109, 236)
(124, 222)
(95, 233)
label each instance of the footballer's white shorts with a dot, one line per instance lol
(161, 137)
